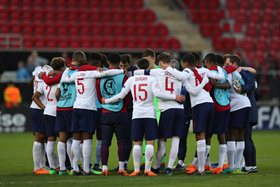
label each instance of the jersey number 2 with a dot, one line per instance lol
(141, 88)
(48, 95)
(80, 83)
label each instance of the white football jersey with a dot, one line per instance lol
(168, 84)
(36, 84)
(237, 101)
(143, 88)
(85, 82)
(197, 94)
(49, 94)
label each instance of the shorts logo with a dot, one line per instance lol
(109, 87)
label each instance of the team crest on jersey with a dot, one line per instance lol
(109, 87)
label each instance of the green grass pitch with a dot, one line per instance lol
(16, 167)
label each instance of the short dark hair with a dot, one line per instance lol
(104, 61)
(125, 58)
(220, 60)
(57, 63)
(114, 58)
(235, 58)
(189, 58)
(80, 57)
(210, 57)
(95, 59)
(196, 56)
(142, 63)
(164, 57)
(149, 52)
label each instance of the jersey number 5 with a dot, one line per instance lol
(80, 83)
(169, 87)
(141, 88)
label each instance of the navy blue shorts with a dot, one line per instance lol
(83, 120)
(144, 127)
(114, 122)
(240, 119)
(172, 123)
(220, 122)
(63, 121)
(37, 117)
(202, 116)
(49, 122)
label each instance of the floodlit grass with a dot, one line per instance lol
(16, 167)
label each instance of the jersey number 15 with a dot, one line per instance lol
(140, 88)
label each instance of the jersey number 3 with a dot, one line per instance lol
(81, 89)
(141, 88)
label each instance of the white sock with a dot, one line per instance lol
(121, 165)
(56, 160)
(137, 153)
(50, 154)
(81, 152)
(181, 163)
(173, 151)
(104, 167)
(194, 162)
(160, 153)
(98, 151)
(207, 155)
(37, 154)
(61, 155)
(231, 148)
(201, 149)
(222, 154)
(239, 154)
(149, 153)
(87, 150)
(69, 150)
(76, 154)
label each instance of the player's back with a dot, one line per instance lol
(86, 91)
(49, 93)
(141, 88)
(238, 101)
(203, 96)
(37, 83)
(170, 85)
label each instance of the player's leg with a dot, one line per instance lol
(240, 144)
(183, 148)
(88, 130)
(60, 126)
(77, 137)
(200, 113)
(107, 134)
(87, 151)
(39, 139)
(96, 166)
(150, 127)
(51, 135)
(137, 134)
(208, 136)
(122, 134)
(177, 127)
(248, 149)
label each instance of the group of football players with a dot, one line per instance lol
(151, 102)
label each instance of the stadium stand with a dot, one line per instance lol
(122, 24)
(251, 26)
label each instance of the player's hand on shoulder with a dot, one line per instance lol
(103, 100)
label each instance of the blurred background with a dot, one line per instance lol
(34, 31)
